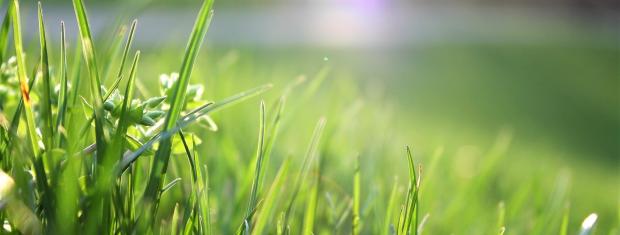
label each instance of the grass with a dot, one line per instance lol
(144, 156)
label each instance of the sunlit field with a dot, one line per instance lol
(109, 131)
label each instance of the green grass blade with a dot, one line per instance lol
(132, 32)
(258, 172)
(204, 204)
(565, 217)
(4, 33)
(501, 220)
(267, 207)
(64, 86)
(305, 167)
(46, 102)
(390, 209)
(357, 184)
(310, 211)
(162, 156)
(123, 123)
(88, 51)
(20, 106)
(409, 217)
(260, 153)
(21, 73)
(272, 135)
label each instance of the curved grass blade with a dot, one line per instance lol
(162, 156)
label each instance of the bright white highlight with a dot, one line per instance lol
(588, 223)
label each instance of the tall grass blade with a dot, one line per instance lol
(310, 211)
(162, 156)
(409, 212)
(260, 153)
(4, 33)
(310, 155)
(390, 209)
(88, 51)
(263, 215)
(357, 184)
(21, 73)
(123, 121)
(564, 224)
(46, 102)
(64, 86)
(132, 32)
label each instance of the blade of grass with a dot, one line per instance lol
(46, 102)
(4, 32)
(162, 156)
(132, 32)
(390, 209)
(123, 121)
(21, 74)
(409, 215)
(115, 151)
(310, 211)
(501, 224)
(565, 217)
(20, 106)
(260, 153)
(263, 215)
(62, 94)
(310, 155)
(270, 138)
(88, 51)
(204, 204)
(119, 75)
(357, 184)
